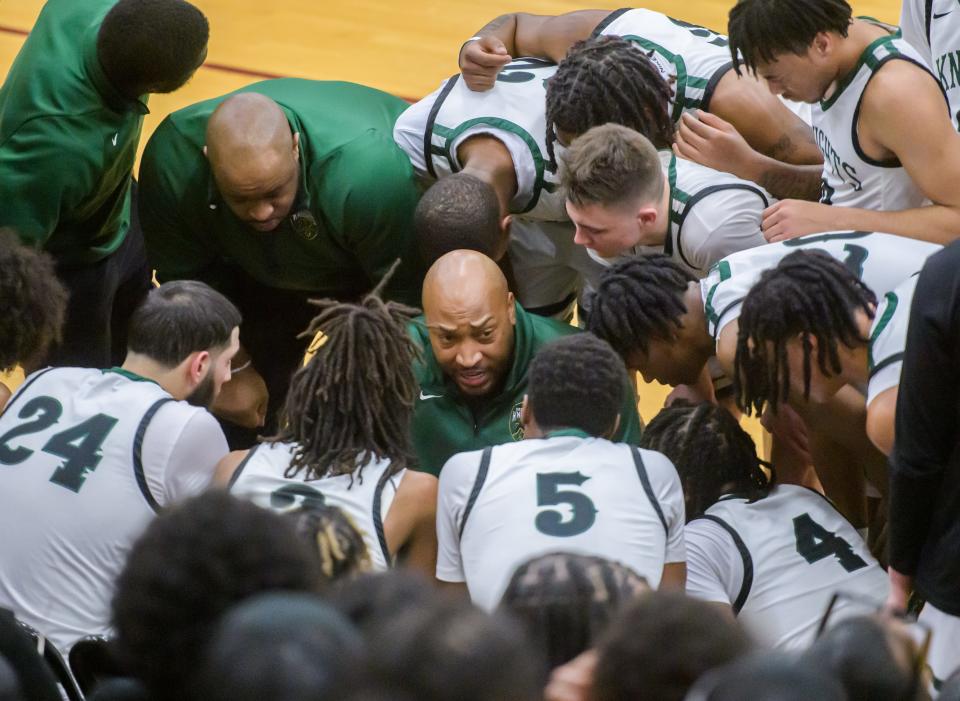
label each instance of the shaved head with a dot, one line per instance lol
(254, 156)
(470, 316)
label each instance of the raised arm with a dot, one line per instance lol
(523, 34)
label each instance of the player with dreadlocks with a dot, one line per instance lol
(774, 553)
(344, 438)
(695, 59)
(809, 327)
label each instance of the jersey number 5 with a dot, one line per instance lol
(814, 542)
(79, 445)
(550, 521)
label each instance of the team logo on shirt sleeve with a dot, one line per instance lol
(513, 422)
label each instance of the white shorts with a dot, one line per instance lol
(944, 657)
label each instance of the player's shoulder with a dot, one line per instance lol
(658, 466)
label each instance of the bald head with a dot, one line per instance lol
(254, 156)
(470, 314)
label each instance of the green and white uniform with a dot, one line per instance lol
(549, 267)
(888, 338)
(881, 261)
(712, 215)
(933, 28)
(850, 177)
(499, 507)
(365, 500)
(87, 457)
(777, 561)
(693, 58)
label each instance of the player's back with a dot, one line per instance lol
(364, 498)
(82, 460)
(881, 261)
(562, 493)
(795, 550)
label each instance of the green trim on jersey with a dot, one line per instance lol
(866, 57)
(571, 432)
(130, 375)
(892, 302)
(723, 268)
(450, 135)
(680, 99)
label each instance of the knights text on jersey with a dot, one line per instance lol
(502, 506)
(881, 261)
(365, 499)
(850, 177)
(514, 112)
(933, 28)
(692, 58)
(88, 456)
(888, 338)
(777, 561)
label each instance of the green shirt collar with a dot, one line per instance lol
(573, 432)
(113, 98)
(130, 375)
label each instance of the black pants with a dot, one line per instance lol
(103, 296)
(272, 320)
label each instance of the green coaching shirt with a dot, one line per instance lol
(353, 215)
(68, 139)
(445, 424)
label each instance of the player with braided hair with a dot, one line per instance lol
(774, 553)
(809, 327)
(695, 59)
(565, 601)
(565, 486)
(344, 437)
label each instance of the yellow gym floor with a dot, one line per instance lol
(404, 47)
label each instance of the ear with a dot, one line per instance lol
(197, 367)
(613, 431)
(503, 243)
(512, 309)
(822, 45)
(205, 154)
(296, 146)
(647, 217)
(525, 414)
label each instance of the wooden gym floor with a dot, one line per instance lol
(405, 48)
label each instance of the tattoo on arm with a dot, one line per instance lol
(782, 148)
(493, 25)
(792, 182)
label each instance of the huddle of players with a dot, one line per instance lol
(567, 168)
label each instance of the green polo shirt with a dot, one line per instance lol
(445, 424)
(356, 195)
(68, 140)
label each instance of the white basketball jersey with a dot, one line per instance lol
(83, 469)
(850, 177)
(712, 215)
(514, 112)
(365, 500)
(888, 338)
(692, 58)
(933, 28)
(500, 507)
(881, 261)
(796, 550)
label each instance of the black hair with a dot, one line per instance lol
(449, 648)
(809, 293)
(608, 79)
(565, 601)
(761, 30)
(193, 562)
(371, 598)
(34, 302)
(712, 453)
(331, 534)
(179, 318)
(353, 401)
(10, 688)
(577, 381)
(661, 644)
(637, 300)
(857, 650)
(284, 646)
(767, 676)
(458, 212)
(151, 45)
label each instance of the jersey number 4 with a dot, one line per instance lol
(79, 445)
(814, 542)
(550, 521)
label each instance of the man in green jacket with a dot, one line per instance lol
(71, 111)
(282, 191)
(477, 345)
